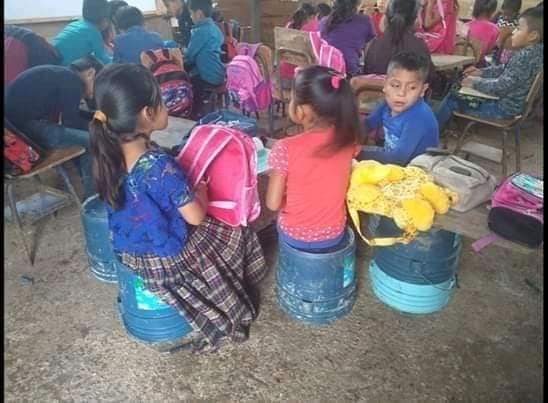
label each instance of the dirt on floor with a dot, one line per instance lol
(64, 340)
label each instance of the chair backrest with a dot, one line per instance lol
(468, 47)
(533, 93)
(293, 45)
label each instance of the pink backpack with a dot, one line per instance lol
(433, 39)
(246, 85)
(227, 160)
(522, 193)
(327, 55)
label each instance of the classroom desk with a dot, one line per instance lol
(173, 134)
(450, 62)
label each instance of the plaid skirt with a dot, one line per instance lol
(209, 281)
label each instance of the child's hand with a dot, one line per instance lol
(467, 82)
(201, 193)
(472, 71)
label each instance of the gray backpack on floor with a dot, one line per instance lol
(473, 184)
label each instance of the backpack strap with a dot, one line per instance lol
(388, 241)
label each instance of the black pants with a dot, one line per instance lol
(202, 92)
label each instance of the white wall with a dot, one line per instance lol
(25, 9)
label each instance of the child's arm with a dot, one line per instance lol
(511, 78)
(277, 161)
(98, 48)
(195, 211)
(412, 133)
(198, 40)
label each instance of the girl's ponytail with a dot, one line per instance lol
(109, 165)
(301, 15)
(400, 17)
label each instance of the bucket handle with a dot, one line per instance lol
(419, 271)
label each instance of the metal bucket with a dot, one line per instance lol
(317, 288)
(98, 244)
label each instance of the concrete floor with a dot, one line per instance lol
(64, 341)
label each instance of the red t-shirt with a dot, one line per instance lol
(314, 204)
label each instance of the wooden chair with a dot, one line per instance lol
(54, 159)
(468, 47)
(506, 125)
(368, 91)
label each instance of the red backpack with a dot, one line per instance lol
(20, 153)
(167, 66)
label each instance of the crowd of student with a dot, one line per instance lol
(206, 269)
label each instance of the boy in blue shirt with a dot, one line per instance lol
(134, 38)
(83, 37)
(203, 55)
(409, 124)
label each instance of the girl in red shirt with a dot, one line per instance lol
(310, 171)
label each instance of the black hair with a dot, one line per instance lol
(303, 13)
(127, 17)
(121, 92)
(484, 8)
(511, 5)
(411, 62)
(400, 18)
(113, 7)
(203, 5)
(323, 10)
(535, 20)
(313, 86)
(95, 11)
(86, 63)
(342, 11)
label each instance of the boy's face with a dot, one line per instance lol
(175, 7)
(196, 15)
(403, 89)
(521, 36)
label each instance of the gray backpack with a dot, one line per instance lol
(473, 184)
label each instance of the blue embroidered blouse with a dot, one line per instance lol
(149, 221)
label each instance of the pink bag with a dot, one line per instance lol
(327, 55)
(227, 160)
(433, 39)
(521, 193)
(246, 85)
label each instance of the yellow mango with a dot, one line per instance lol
(368, 172)
(437, 197)
(396, 173)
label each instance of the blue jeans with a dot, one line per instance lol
(488, 109)
(50, 135)
(326, 246)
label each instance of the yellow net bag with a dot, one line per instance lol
(407, 195)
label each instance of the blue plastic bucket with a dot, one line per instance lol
(317, 288)
(432, 258)
(145, 316)
(98, 244)
(410, 298)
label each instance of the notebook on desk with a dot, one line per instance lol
(475, 93)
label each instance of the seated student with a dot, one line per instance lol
(510, 82)
(179, 9)
(323, 10)
(399, 36)
(111, 30)
(203, 55)
(83, 37)
(134, 38)
(409, 124)
(204, 269)
(40, 95)
(310, 172)
(303, 19)
(432, 22)
(113, 7)
(24, 49)
(348, 31)
(482, 29)
(507, 22)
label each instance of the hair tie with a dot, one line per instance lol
(100, 116)
(336, 81)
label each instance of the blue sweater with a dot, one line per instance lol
(204, 52)
(405, 135)
(78, 39)
(129, 45)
